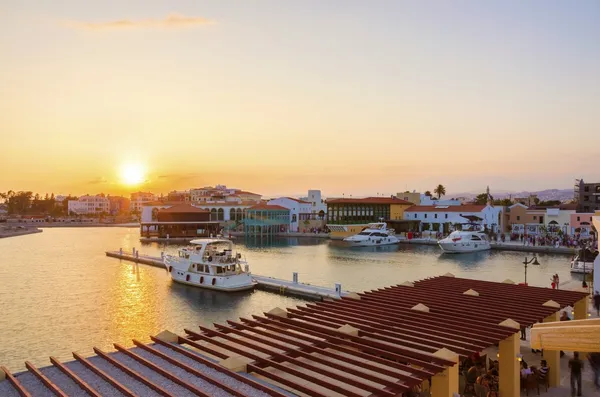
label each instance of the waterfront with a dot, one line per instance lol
(60, 293)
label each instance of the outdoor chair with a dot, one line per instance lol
(531, 383)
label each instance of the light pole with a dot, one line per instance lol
(526, 262)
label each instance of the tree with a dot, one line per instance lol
(440, 190)
(504, 202)
(482, 199)
(428, 193)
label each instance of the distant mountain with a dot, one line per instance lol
(543, 195)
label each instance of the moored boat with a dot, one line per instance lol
(583, 261)
(465, 241)
(375, 234)
(210, 264)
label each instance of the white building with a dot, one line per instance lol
(221, 193)
(317, 202)
(300, 211)
(138, 200)
(485, 215)
(89, 205)
(429, 200)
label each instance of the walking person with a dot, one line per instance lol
(576, 367)
(597, 303)
(594, 359)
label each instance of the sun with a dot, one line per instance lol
(132, 174)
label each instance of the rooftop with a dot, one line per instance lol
(446, 208)
(263, 206)
(182, 208)
(368, 200)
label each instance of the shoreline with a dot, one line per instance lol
(19, 232)
(62, 224)
(504, 247)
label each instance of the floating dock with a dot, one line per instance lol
(285, 287)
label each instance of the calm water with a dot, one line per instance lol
(59, 293)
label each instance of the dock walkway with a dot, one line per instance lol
(285, 287)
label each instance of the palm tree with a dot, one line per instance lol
(440, 190)
(428, 193)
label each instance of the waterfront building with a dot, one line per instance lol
(596, 273)
(521, 219)
(412, 197)
(317, 202)
(178, 220)
(300, 213)
(588, 196)
(89, 205)
(119, 205)
(222, 193)
(444, 218)
(348, 216)
(581, 223)
(265, 220)
(179, 196)
(138, 200)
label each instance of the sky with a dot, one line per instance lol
(277, 97)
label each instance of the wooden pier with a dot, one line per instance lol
(285, 287)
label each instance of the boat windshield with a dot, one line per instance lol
(228, 270)
(364, 233)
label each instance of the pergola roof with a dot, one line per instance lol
(380, 344)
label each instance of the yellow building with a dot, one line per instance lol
(348, 216)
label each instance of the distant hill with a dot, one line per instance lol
(543, 195)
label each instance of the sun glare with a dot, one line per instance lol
(132, 174)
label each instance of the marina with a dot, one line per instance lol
(285, 287)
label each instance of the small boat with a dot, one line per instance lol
(462, 241)
(211, 264)
(583, 261)
(375, 234)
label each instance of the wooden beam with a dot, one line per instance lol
(87, 388)
(581, 338)
(44, 379)
(16, 384)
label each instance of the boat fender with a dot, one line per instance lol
(239, 256)
(170, 268)
(214, 281)
(187, 277)
(201, 279)
(210, 258)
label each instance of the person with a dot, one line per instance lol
(554, 281)
(523, 333)
(594, 359)
(576, 367)
(564, 316)
(543, 371)
(474, 372)
(597, 303)
(525, 370)
(557, 281)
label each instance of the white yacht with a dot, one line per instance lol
(465, 241)
(583, 261)
(211, 264)
(374, 234)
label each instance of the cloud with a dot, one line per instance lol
(97, 181)
(172, 21)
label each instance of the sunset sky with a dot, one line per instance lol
(277, 97)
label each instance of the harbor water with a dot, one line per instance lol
(59, 292)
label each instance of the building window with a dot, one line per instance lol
(586, 189)
(598, 189)
(578, 219)
(435, 216)
(534, 217)
(518, 218)
(446, 216)
(415, 216)
(586, 198)
(425, 216)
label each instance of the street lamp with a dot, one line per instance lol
(526, 262)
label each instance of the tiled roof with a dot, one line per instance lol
(182, 208)
(444, 208)
(263, 206)
(245, 192)
(368, 200)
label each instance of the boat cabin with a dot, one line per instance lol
(214, 257)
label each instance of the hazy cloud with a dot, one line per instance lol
(97, 181)
(172, 21)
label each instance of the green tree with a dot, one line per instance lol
(504, 202)
(481, 199)
(428, 193)
(440, 190)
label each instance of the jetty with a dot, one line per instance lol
(506, 246)
(285, 287)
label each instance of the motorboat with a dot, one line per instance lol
(212, 264)
(375, 234)
(583, 261)
(462, 241)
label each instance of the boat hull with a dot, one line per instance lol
(579, 267)
(216, 287)
(462, 248)
(373, 243)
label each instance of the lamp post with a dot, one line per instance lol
(526, 262)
